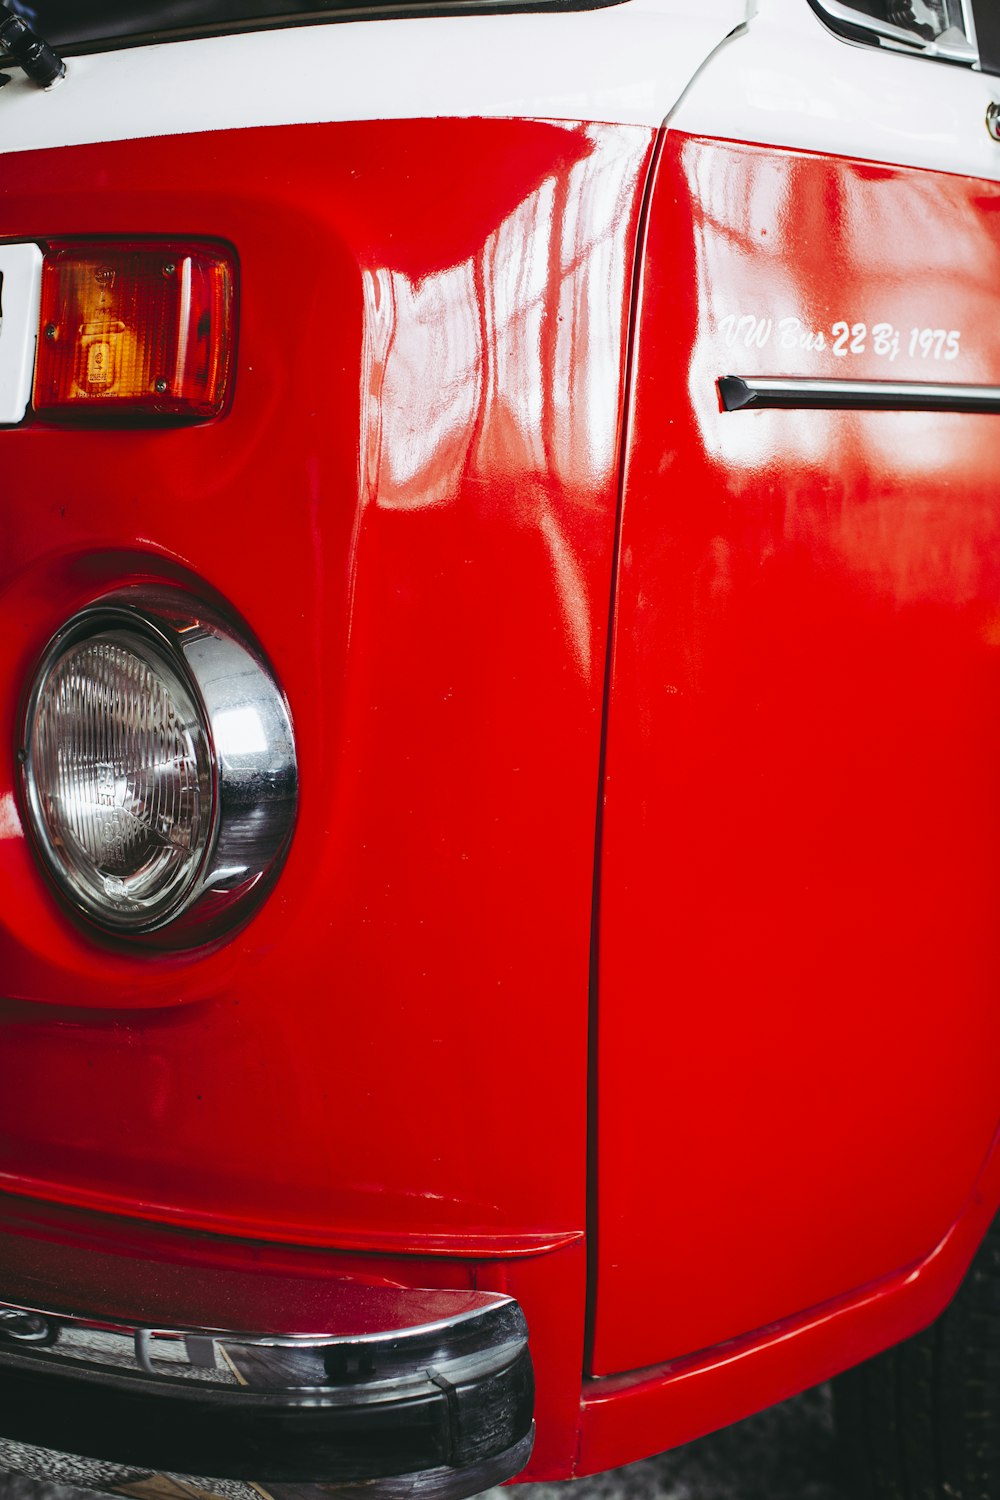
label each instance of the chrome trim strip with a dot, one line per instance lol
(471, 1324)
(739, 393)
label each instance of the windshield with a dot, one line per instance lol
(64, 22)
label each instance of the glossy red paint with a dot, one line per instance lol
(798, 962)
(411, 504)
(629, 1416)
(67, 1259)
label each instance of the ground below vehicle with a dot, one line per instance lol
(611, 506)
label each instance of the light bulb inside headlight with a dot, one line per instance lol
(159, 767)
(120, 778)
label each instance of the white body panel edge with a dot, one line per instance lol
(783, 80)
(787, 81)
(625, 64)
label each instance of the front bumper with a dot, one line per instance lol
(422, 1393)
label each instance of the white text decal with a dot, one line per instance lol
(843, 338)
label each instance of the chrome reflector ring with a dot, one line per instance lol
(159, 767)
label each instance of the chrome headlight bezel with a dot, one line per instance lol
(249, 773)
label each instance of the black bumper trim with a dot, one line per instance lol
(448, 1398)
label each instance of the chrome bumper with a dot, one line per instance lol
(419, 1393)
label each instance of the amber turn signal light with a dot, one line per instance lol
(135, 330)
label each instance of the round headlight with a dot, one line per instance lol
(120, 778)
(159, 766)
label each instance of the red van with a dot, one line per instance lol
(500, 701)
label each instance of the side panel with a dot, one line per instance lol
(798, 941)
(411, 503)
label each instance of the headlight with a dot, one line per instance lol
(937, 28)
(159, 766)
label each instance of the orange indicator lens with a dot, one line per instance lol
(137, 330)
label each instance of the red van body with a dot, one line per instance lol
(634, 957)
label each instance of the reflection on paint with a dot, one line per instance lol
(515, 335)
(10, 822)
